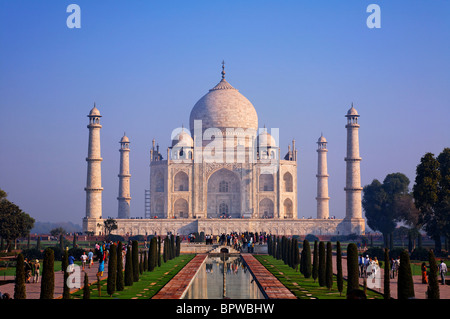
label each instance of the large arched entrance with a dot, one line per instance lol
(224, 195)
(181, 208)
(266, 209)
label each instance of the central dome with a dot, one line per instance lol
(224, 107)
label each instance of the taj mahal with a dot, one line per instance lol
(224, 174)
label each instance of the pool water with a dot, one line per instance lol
(211, 283)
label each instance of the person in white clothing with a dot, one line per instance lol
(442, 271)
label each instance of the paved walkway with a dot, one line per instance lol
(179, 284)
(419, 287)
(34, 289)
(270, 285)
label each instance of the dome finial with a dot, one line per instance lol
(223, 70)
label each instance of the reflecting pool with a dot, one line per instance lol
(211, 282)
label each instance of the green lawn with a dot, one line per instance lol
(300, 286)
(148, 285)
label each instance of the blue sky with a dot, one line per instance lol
(146, 63)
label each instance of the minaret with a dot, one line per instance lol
(94, 171)
(124, 178)
(322, 198)
(353, 187)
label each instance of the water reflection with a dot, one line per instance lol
(218, 279)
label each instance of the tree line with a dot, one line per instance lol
(426, 207)
(318, 265)
(123, 270)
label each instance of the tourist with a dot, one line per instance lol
(83, 257)
(27, 271)
(37, 266)
(361, 265)
(391, 273)
(101, 262)
(442, 271)
(397, 266)
(90, 258)
(71, 267)
(424, 273)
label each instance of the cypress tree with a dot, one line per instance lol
(165, 250)
(119, 277)
(61, 242)
(296, 255)
(159, 252)
(64, 265)
(38, 244)
(48, 275)
(352, 267)
(112, 270)
(339, 275)
(322, 264)
(329, 266)
(288, 251)
(178, 246)
(145, 261)
(174, 247)
(410, 242)
(64, 260)
(20, 291)
(387, 267)
(128, 280)
(307, 271)
(74, 244)
(405, 286)
(269, 245)
(279, 248)
(141, 263)
(150, 255)
(86, 288)
(315, 269)
(274, 248)
(135, 257)
(152, 252)
(433, 283)
(302, 260)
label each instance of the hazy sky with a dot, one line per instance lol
(146, 63)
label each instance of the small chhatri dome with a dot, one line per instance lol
(94, 112)
(124, 139)
(322, 139)
(183, 139)
(266, 140)
(352, 112)
(224, 107)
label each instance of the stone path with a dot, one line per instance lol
(419, 287)
(179, 284)
(270, 285)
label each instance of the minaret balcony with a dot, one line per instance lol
(353, 159)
